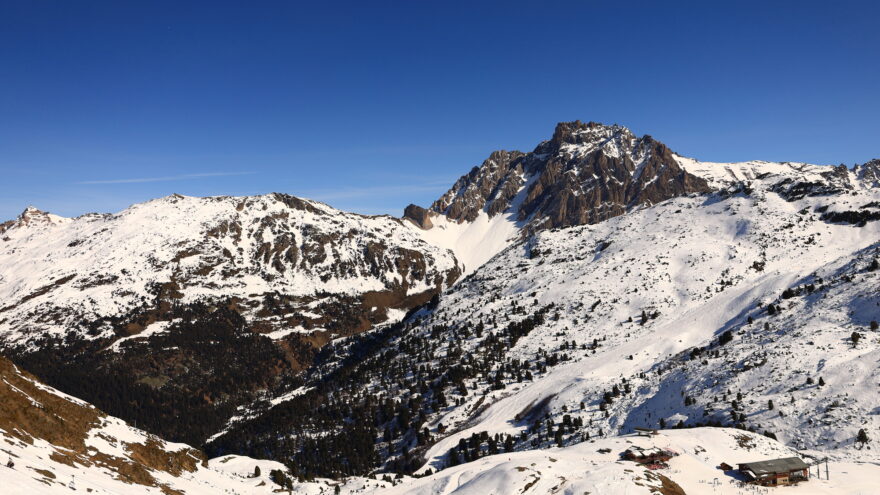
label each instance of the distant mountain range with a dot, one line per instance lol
(595, 284)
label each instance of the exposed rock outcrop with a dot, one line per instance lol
(585, 173)
(418, 215)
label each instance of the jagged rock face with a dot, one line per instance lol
(418, 215)
(585, 173)
(869, 172)
(492, 185)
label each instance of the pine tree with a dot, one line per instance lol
(862, 437)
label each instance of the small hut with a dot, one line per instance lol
(645, 432)
(776, 472)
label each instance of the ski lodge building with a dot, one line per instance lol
(776, 472)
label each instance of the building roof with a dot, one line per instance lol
(644, 452)
(785, 465)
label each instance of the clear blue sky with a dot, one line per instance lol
(370, 107)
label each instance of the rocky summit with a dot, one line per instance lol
(586, 173)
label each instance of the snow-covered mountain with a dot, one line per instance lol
(610, 284)
(151, 302)
(698, 310)
(282, 260)
(637, 307)
(584, 174)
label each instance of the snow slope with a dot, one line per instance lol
(639, 302)
(58, 443)
(585, 468)
(475, 242)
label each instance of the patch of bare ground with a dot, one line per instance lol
(667, 486)
(530, 484)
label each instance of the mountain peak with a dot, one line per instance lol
(31, 216)
(586, 173)
(869, 172)
(31, 211)
(577, 132)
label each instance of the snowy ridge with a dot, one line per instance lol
(58, 272)
(725, 174)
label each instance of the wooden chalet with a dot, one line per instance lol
(776, 472)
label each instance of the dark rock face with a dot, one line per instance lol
(834, 181)
(585, 173)
(492, 185)
(869, 172)
(418, 215)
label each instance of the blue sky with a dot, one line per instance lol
(371, 106)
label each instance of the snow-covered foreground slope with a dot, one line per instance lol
(595, 467)
(57, 443)
(53, 443)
